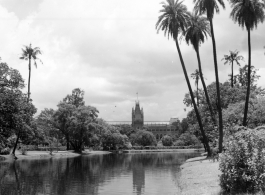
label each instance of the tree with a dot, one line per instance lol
(145, 138)
(173, 21)
(82, 126)
(76, 98)
(231, 58)
(47, 127)
(242, 77)
(247, 13)
(29, 53)
(196, 32)
(196, 77)
(16, 114)
(167, 140)
(209, 7)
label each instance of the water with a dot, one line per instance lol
(110, 174)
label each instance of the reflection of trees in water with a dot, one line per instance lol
(82, 174)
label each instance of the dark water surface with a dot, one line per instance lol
(109, 174)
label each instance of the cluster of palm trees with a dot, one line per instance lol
(176, 21)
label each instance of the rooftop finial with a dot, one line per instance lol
(137, 97)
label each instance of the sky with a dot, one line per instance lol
(112, 51)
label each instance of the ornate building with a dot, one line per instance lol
(159, 129)
(137, 116)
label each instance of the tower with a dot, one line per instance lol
(137, 116)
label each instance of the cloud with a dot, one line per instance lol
(111, 50)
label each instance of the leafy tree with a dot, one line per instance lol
(76, 121)
(16, 114)
(167, 140)
(47, 127)
(29, 53)
(76, 98)
(233, 116)
(114, 141)
(209, 7)
(247, 13)
(231, 58)
(81, 125)
(242, 77)
(173, 21)
(189, 139)
(144, 138)
(62, 118)
(196, 32)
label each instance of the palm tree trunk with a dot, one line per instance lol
(204, 87)
(29, 79)
(249, 81)
(217, 90)
(197, 94)
(193, 101)
(232, 76)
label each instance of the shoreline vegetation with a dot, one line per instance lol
(71, 153)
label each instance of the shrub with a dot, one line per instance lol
(5, 151)
(167, 140)
(145, 138)
(188, 139)
(179, 143)
(23, 150)
(243, 162)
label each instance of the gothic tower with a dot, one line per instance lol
(137, 116)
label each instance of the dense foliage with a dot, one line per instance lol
(243, 162)
(167, 140)
(143, 138)
(16, 113)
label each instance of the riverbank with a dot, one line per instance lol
(199, 176)
(162, 150)
(46, 154)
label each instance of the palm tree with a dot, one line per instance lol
(196, 32)
(196, 77)
(231, 58)
(29, 53)
(209, 7)
(247, 13)
(173, 21)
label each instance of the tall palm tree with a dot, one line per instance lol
(195, 34)
(29, 53)
(248, 13)
(231, 58)
(173, 21)
(196, 77)
(209, 7)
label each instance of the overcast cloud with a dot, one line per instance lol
(111, 50)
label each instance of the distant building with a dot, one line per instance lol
(173, 119)
(137, 116)
(159, 129)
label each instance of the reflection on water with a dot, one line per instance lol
(141, 174)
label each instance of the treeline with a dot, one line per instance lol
(74, 124)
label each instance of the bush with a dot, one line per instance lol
(187, 139)
(145, 138)
(179, 143)
(243, 162)
(23, 150)
(5, 151)
(167, 140)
